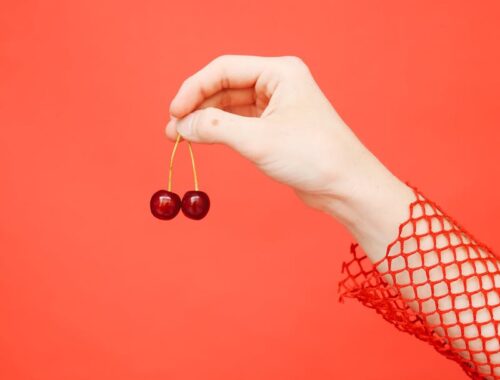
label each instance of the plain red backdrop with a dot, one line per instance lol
(93, 287)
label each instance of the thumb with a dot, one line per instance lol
(213, 125)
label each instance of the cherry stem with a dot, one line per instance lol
(171, 169)
(195, 176)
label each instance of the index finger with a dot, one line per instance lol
(228, 71)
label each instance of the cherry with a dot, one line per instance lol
(165, 204)
(195, 204)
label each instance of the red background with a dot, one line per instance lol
(93, 287)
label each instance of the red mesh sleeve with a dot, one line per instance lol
(437, 283)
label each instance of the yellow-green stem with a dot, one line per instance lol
(171, 169)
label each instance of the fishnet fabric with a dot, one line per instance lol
(437, 283)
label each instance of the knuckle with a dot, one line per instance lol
(221, 59)
(293, 59)
(295, 63)
(224, 81)
(218, 68)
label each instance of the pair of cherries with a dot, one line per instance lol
(165, 204)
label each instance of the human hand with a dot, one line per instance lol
(271, 111)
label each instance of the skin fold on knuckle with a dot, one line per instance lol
(225, 99)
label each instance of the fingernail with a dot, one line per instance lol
(185, 126)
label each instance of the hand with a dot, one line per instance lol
(273, 113)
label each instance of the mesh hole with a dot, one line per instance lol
(492, 345)
(466, 317)
(488, 330)
(441, 289)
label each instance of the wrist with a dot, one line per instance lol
(371, 203)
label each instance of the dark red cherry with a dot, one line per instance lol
(165, 204)
(195, 204)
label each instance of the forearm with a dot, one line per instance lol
(448, 281)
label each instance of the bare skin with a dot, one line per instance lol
(272, 112)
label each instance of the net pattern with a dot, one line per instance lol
(438, 283)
